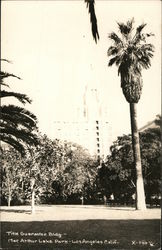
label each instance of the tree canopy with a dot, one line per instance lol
(119, 173)
(62, 172)
(131, 53)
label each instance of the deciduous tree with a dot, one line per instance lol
(118, 171)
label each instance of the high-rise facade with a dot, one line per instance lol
(91, 128)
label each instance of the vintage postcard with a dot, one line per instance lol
(80, 124)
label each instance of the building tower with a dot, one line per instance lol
(90, 129)
(93, 115)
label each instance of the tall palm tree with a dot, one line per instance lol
(18, 126)
(93, 19)
(131, 53)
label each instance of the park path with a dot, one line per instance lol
(75, 212)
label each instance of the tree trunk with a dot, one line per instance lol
(82, 200)
(140, 194)
(9, 196)
(32, 202)
(105, 199)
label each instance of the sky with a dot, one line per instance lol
(51, 48)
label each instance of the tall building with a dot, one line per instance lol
(91, 128)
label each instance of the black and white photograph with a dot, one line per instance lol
(80, 125)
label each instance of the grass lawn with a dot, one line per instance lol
(79, 227)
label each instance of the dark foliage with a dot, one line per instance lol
(93, 19)
(18, 126)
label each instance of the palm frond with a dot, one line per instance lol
(21, 97)
(126, 29)
(21, 134)
(130, 24)
(144, 53)
(147, 48)
(5, 60)
(140, 27)
(18, 126)
(17, 120)
(14, 111)
(115, 60)
(5, 75)
(116, 39)
(13, 143)
(93, 19)
(138, 36)
(145, 62)
(4, 84)
(113, 50)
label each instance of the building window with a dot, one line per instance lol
(98, 151)
(97, 133)
(98, 145)
(97, 122)
(98, 139)
(97, 127)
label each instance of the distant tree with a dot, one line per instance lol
(12, 174)
(131, 53)
(79, 172)
(119, 173)
(150, 140)
(18, 126)
(32, 174)
(73, 172)
(53, 171)
(62, 171)
(103, 184)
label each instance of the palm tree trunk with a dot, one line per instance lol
(140, 194)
